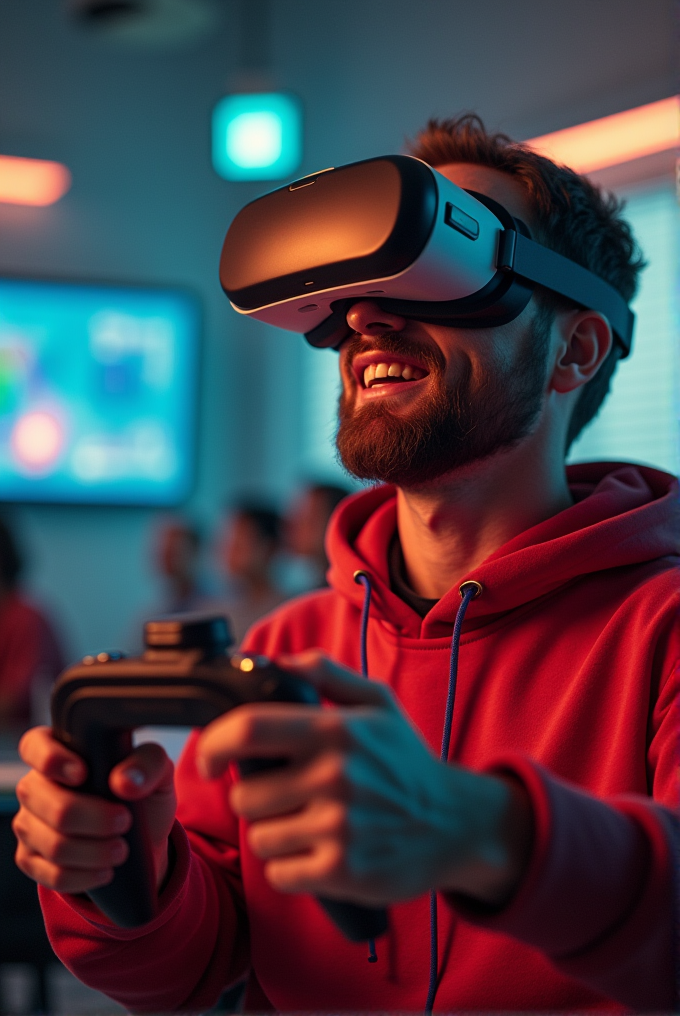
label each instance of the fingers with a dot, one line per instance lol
(68, 851)
(70, 812)
(53, 876)
(280, 792)
(275, 730)
(67, 841)
(301, 832)
(336, 683)
(40, 750)
(71, 841)
(268, 730)
(145, 771)
(314, 872)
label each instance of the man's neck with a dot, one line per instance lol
(448, 527)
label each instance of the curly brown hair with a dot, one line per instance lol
(571, 216)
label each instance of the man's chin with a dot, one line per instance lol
(381, 448)
(376, 445)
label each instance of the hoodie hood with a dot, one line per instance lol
(624, 515)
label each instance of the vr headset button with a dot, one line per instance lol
(460, 220)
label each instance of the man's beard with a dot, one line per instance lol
(456, 426)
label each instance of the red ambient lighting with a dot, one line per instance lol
(615, 139)
(32, 181)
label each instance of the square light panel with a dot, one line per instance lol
(257, 136)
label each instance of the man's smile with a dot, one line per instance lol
(380, 370)
(387, 373)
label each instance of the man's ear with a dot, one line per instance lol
(585, 340)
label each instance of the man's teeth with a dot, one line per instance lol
(375, 373)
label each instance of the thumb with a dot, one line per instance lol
(146, 771)
(336, 683)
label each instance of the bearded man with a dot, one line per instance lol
(530, 867)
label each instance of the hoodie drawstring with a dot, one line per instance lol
(468, 591)
(363, 579)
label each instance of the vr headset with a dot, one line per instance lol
(396, 231)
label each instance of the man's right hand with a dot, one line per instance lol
(70, 841)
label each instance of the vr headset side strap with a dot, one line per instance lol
(539, 264)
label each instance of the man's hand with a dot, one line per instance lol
(365, 812)
(71, 841)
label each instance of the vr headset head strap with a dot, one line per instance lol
(521, 264)
(538, 264)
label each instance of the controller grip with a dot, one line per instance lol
(129, 900)
(357, 923)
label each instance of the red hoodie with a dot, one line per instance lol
(568, 678)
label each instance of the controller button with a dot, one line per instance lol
(88, 660)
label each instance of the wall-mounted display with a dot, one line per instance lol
(98, 388)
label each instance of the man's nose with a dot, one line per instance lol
(367, 318)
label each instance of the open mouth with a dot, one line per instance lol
(389, 372)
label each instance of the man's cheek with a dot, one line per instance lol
(349, 382)
(348, 394)
(346, 372)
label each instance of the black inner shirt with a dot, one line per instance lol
(398, 584)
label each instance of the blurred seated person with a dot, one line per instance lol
(306, 523)
(30, 655)
(177, 560)
(250, 540)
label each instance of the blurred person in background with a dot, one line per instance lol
(305, 527)
(177, 560)
(30, 654)
(250, 541)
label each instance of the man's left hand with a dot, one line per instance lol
(364, 811)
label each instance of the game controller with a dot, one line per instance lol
(185, 678)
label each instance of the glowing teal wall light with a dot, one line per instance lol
(257, 136)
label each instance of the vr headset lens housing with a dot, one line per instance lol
(394, 230)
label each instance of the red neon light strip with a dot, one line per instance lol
(612, 140)
(32, 181)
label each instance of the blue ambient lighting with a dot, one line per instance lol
(257, 137)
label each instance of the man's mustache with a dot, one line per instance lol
(394, 343)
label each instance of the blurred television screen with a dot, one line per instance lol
(98, 388)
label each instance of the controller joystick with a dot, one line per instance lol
(185, 677)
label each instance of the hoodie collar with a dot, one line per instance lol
(623, 515)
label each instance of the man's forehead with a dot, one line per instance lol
(496, 184)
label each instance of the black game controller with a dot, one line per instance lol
(185, 678)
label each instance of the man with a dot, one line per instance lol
(549, 835)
